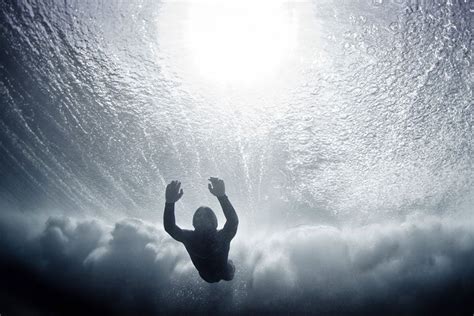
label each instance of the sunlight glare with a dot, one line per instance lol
(239, 41)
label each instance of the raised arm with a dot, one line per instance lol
(173, 194)
(217, 187)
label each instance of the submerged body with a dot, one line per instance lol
(207, 246)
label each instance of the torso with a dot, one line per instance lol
(209, 253)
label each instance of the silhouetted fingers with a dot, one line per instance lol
(174, 185)
(214, 179)
(180, 194)
(210, 187)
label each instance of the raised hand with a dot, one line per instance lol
(173, 192)
(216, 187)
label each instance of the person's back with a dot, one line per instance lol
(207, 246)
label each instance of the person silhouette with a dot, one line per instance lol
(207, 246)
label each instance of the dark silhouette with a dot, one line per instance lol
(207, 246)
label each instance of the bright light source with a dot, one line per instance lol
(239, 41)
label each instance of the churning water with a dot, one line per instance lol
(354, 114)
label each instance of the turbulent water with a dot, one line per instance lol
(380, 120)
(370, 123)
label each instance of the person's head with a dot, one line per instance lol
(204, 219)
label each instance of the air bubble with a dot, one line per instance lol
(394, 26)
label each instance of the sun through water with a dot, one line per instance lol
(229, 43)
